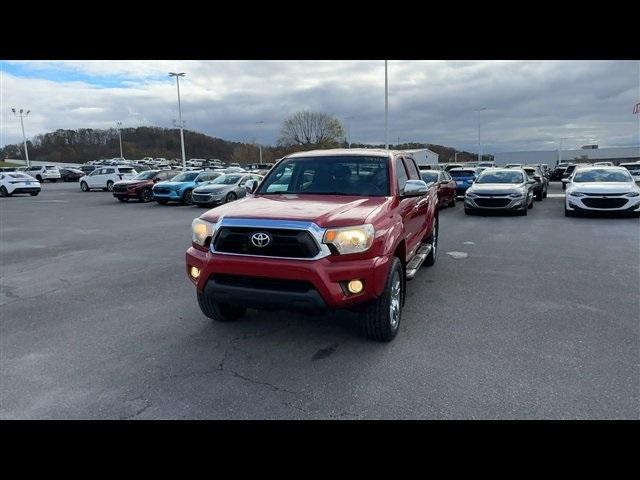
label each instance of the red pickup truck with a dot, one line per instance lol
(325, 229)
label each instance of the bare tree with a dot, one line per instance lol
(306, 128)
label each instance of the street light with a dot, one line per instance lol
(118, 125)
(24, 139)
(261, 122)
(560, 149)
(479, 144)
(386, 107)
(178, 75)
(350, 117)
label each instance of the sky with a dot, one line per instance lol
(530, 105)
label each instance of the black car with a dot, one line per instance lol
(71, 174)
(87, 169)
(557, 173)
(542, 184)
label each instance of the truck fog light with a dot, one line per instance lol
(195, 273)
(355, 286)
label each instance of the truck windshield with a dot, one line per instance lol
(329, 175)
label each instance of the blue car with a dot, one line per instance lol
(180, 187)
(464, 178)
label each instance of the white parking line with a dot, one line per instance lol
(555, 195)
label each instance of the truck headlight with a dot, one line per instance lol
(201, 231)
(350, 239)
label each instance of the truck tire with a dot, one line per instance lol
(221, 312)
(433, 241)
(381, 318)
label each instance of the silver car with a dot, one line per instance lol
(226, 188)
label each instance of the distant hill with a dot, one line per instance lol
(85, 144)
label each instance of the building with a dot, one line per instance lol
(424, 156)
(588, 153)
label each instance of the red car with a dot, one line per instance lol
(326, 229)
(140, 187)
(446, 186)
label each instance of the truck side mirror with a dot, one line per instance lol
(414, 188)
(251, 185)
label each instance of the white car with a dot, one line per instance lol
(602, 189)
(44, 172)
(634, 170)
(603, 164)
(16, 182)
(105, 177)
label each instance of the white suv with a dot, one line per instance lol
(105, 177)
(44, 172)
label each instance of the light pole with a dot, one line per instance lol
(24, 139)
(560, 149)
(178, 75)
(350, 117)
(119, 124)
(386, 107)
(261, 122)
(479, 144)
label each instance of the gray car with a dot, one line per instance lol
(500, 189)
(226, 188)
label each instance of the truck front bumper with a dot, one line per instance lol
(287, 284)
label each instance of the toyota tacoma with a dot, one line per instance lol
(325, 229)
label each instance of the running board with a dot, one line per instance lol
(416, 262)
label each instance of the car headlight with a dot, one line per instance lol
(516, 195)
(471, 194)
(201, 231)
(350, 239)
(632, 194)
(576, 194)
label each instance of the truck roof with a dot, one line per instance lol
(365, 152)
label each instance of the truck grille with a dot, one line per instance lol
(604, 202)
(261, 283)
(283, 243)
(492, 202)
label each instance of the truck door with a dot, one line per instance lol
(406, 207)
(420, 211)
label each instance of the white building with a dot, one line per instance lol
(424, 156)
(550, 157)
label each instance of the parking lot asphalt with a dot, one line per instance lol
(521, 317)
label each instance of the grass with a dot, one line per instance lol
(7, 164)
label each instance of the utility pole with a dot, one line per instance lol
(119, 124)
(261, 122)
(178, 75)
(24, 138)
(479, 143)
(386, 107)
(560, 149)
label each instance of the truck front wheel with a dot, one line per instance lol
(381, 318)
(221, 312)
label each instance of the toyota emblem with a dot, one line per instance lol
(260, 239)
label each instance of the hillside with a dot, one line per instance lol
(85, 144)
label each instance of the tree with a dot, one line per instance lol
(311, 129)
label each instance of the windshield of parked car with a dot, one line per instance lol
(462, 173)
(602, 175)
(329, 175)
(501, 176)
(146, 175)
(633, 168)
(429, 176)
(225, 180)
(185, 177)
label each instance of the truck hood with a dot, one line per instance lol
(323, 210)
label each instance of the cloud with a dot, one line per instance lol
(530, 104)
